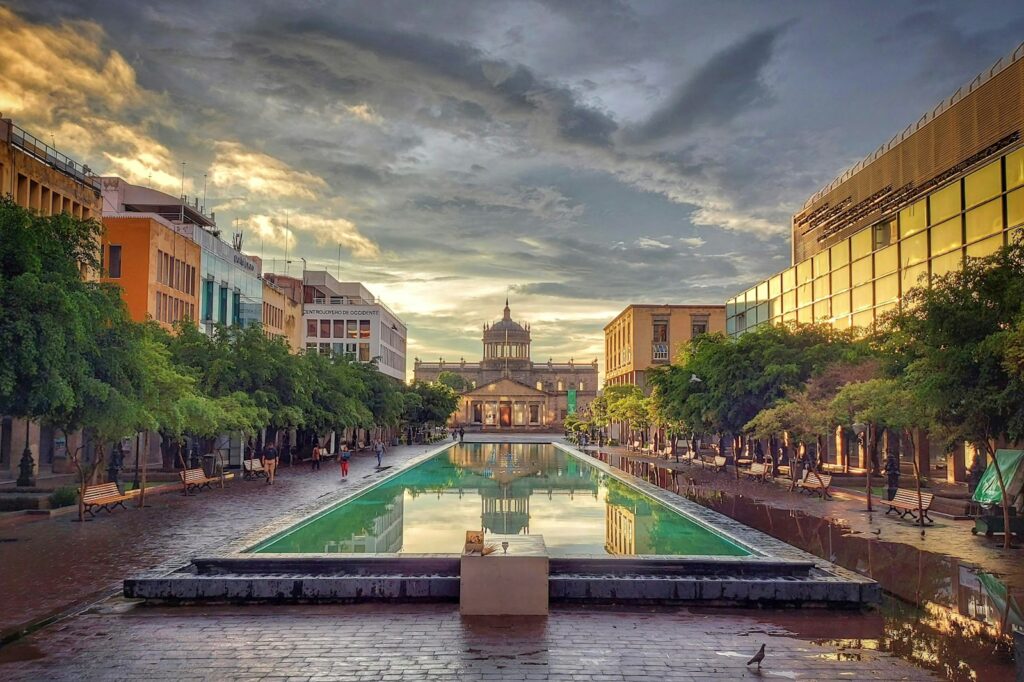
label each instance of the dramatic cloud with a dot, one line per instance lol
(579, 155)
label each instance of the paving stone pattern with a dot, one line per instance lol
(432, 642)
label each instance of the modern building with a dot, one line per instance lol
(344, 318)
(949, 186)
(155, 264)
(230, 288)
(644, 336)
(282, 315)
(507, 389)
(41, 178)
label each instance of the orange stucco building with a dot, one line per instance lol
(156, 266)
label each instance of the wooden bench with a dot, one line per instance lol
(905, 503)
(253, 469)
(716, 462)
(816, 484)
(105, 496)
(195, 479)
(757, 471)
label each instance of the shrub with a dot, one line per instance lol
(65, 496)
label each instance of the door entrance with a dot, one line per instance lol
(505, 413)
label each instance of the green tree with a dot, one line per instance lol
(457, 382)
(957, 343)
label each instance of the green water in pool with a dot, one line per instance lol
(509, 488)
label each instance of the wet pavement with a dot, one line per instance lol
(432, 642)
(952, 597)
(947, 616)
(49, 566)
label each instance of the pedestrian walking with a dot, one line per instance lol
(892, 475)
(379, 450)
(462, 434)
(317, 454)
(270, 462)
(455, 433)
(343, 457)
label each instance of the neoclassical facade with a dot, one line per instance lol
(508, 390)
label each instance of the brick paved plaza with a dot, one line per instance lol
(109, 637)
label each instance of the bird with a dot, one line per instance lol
(758, 657)
(877, 531)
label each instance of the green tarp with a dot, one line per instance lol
(1011, 463)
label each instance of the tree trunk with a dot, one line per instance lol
(1002, 489)
(917, 475)
(144, 463)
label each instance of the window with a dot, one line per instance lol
(762, 292)
(864, 318)
(789, 279)
(325, 349)
(311, 327)
(841, 278)
(944, 264)
(805, 315)
(860, 244)
(821, 288)
(339, 329)
(840, 253)
(985, 247)
(581, 386)
(364, 352)
(561, 385)
(985, 220)
(911, 277)
(946, 236)
(540, 385)
(913, 218)
(115, 260)
(862, 297)
(236, 308)
(886, 261)
(1015, 169)
(775, 286)
(337, 349)
(159, 266)
(351, 351)
(804, 294)
(325, 329)
(983, 184)
(353, 329)
(914, 250)
(659, 352)
(1015, 208)
(881, 234)
(223, 317)
(821, 310)
(821, 264)
(208, 299)
(660, 333)
(789, 302)
(698, 326)
(804, 271)
(534, 414)
(887, 289)
(861, 271)
(945, 203)
(841, 304)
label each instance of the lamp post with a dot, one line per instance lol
(861, 429)
(26, 466)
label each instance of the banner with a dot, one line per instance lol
(572, 401)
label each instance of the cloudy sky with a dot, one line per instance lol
(582, 154)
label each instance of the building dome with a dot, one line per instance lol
(506, 340)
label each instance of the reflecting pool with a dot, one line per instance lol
(508, 488)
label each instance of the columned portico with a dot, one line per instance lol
(506, 404)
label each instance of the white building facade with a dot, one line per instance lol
(344, 318)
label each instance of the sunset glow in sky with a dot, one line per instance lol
(580, 154)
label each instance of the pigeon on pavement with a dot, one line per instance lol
(758, 657)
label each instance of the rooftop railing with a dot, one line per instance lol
(961, 92)
(33, 146)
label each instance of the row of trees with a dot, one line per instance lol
(75, 360)
(949, 360)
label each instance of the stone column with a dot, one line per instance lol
(956, 462)
(840, 447)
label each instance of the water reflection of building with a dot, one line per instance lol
(384, 537)
(507, 476)
(626, 533)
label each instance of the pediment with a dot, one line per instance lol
(500, 387)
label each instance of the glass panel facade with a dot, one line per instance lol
(840, 253)
(789, 279)
(983, 184)
(912, 276)
(861, 244)
(821, 288)
(945, 203)
(821, 264)
(943, 264)
(946, 236)
(821, 311)
(985, 220)
(886, 261)
(862, 271)
(985, 247)
(914, 250)
(862, 297)
(804, 315)
(914, 218)
(887, 289)
(1015, 169)
(804, 272)
(841, 278)
(789, 301)
(804, 294)
(1015, 208)
(841, 304)
(864, 318)
(775, 286)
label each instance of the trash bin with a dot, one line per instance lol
(210, 465)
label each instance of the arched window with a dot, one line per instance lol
(581, 385)
(561, 385)
(540, 385)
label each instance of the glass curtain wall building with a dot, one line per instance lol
(948, 188)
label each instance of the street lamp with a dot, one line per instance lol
(26, 466)
(861, 429)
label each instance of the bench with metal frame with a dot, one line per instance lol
(253, 469)
(816, 484)
(105, 496)
(905, 503)
(195, 479)
(759, 471)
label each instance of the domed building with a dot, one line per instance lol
(508, 391)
